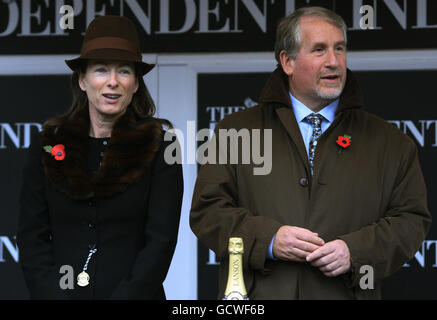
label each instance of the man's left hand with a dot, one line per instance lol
(333, 258)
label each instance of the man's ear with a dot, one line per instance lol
(287, 63)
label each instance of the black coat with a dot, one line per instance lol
(129, 210)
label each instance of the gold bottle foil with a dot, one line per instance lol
(235, 288)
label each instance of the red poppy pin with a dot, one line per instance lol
(344, 142)
(57, 151)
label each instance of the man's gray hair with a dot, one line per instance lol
(288, 35)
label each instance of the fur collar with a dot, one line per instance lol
(130, 150)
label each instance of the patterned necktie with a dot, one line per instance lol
(316, 121)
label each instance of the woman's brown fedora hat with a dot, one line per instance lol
(111, 38)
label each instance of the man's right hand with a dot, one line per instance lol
(294, 243)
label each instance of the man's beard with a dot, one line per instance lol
(331, 94)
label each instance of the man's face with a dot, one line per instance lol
(318, 74)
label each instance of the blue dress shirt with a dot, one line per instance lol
(301, 111)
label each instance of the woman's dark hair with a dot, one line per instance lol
(142, 104)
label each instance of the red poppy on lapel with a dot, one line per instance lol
(58, 151)
(344, 142)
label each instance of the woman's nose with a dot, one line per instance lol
(113, 81)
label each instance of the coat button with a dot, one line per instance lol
(303, 182)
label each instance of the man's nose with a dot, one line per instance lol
(331, 58)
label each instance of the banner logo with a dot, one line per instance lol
(10, 246)
(17, 135)
(192, 19)
(419, 130)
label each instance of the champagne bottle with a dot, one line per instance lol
(235, 288)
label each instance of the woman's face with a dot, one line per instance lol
(109, 85)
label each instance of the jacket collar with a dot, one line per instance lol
(130, 150)
(276, 94)
(301, 111)
(277, 90)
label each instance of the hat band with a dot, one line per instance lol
(110, 43)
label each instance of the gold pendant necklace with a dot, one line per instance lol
(83, 279)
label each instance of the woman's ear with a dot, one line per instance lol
(287, 63)
(137, 84)
(81, 81)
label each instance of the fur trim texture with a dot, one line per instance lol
(130, 150)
